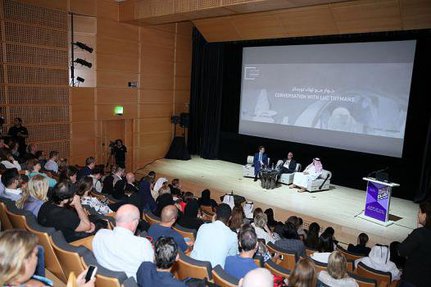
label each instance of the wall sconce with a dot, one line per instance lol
(118, 110)
(83, 62)
(83, 47)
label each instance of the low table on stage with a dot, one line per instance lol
(268, 178)
(378, 201)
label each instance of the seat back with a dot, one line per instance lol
(382, 278)
(279, 164)
(106, 277)
(309, 252)
(276, 269)
(319, 266)
(250, 159)
(5, 222)
(222, 278)
(187, 267)
(43, 234)
(349, 255)
(151, 218)
(325, 174)
(185, 232)
(18, 217)
(68, 255)
(362, 281)
(298, 167)
(286, 259)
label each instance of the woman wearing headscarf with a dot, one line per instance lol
(161, 186)
(379, 259)
(310, 173)
(149, 204)
(190, 217)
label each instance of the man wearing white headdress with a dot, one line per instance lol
(379, 259)
(310, 173)
(161, 186)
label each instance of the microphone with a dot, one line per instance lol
(377, 171)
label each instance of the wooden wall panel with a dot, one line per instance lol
(111, 46)
(111, 29)
(106, 111)
(117, 63)
(107, 9)
(83, 7)
(416, 14)
(115, 79)
(117, 96)
(156, 96)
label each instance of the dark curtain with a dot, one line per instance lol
(206, 97)
(424, 190)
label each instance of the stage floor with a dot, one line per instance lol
(338, 207)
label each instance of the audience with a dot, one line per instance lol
(262, 230)
(84, 187)
(271, 221)
(64, 212)
(162, 201)
(175, 187)
(379, 259)
(336, 273)
(159, 274)
(51, 164)
(18, 259)
(161, 186)
(125, 187)
(2, 187)
(303, 275)
(239, 265)
(259, 277)
(190, 217)
(206, 199)
(8, 160)
(34, 195)
(312, 240)
(96, 175)
(416, 248)
(361, 246)
(90, 163)
(325, 247)
(149, 203)
(216, 251)
(164, 228)
(70, 173)
(290, 241)
(34, 167)
(120, 249)
(10, 180)
(237, 218)
(110, 181)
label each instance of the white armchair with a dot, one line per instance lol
(287, 178)
(248, 168)
(320, 183)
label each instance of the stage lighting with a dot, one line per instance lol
(80, 80)
(83, 47)
(83, 62)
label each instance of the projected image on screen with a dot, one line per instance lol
(349, 96)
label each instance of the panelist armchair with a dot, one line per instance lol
(248, 168)
(319, 184)
(287, 178)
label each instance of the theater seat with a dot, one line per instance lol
(185, 232)
(187, 267)
(151, 218)
(286, 259)
(222, 278)
(5, 222)
(287, 178)
(349, 255)
(384, 279)
(276, 269)
(248, 168)
(362, 281)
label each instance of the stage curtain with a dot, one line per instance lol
(206, 97)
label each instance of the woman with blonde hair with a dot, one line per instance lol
(304, 274)
(34, 195)
(336, 274)
(261, 226)
(18, 259)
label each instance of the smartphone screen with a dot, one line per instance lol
(90, 272)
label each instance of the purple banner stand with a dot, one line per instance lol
(377, 201)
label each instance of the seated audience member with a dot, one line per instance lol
(379, 259)
(271, 221)
(31, 152)
(83, 189)
(399, 261)
(361, 246)
(90, 163)
(64, 212)
(161, 186)
(206, 248)
(162, 201)
(159, 273)
(260, 224)
(190, 217)
(2, 187)
(70, 173)
(10, 180)
(312, 240)
(239, 265)
(111, 180)
(34, 195)
(125, 187)
(120, 249)
(18, 259)
(51, 164)
(237, 219)
(185, 199)
(300, 229)
(303, 275)
(96, 175)
(336, 273)
(175, 187)
(416, 248)
(41, 157)
(8, 160)
(310, 173)
(326, 246)
(149, 203)
(259, 277)
(206, 200)
(164, 228)
(14, 149)
(290, 241)
(34, 167)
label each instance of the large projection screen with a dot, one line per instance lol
(351, 96)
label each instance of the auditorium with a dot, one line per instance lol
(250, 143)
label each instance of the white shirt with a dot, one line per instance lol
(7, 164)
(287, 163)
(343, 282)
(262, 234)
(51, 165)
(12, 194)
(214, 242)
(97, 185)
(120, 250)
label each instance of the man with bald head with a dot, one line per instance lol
(259, 277)
(164, 228)
(120, 249)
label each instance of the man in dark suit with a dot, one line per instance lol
(289, 165)
(260, 160)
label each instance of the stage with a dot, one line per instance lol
(338, 207)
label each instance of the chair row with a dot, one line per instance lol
(61, 257)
